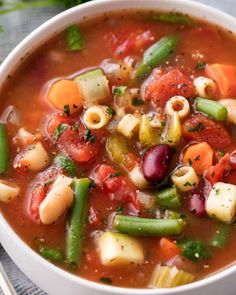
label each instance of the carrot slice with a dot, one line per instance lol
(199, 156)
(167, 249)
(65, 93)
(225, 77)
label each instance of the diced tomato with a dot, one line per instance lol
(201, 128)
(36, 197)
(93, 217)
(167, 249)
(131, 160)
(119, 187)
(216, 173)
(75, 140)
(136, 41)
(160, 87)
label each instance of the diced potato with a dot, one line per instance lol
(137, 178)
(35, 158)
(221, 202)
(169, 277)
(128, 125)
(57, 201)
(8, 191)
(62, 180)
(230, 104)
(118, 249)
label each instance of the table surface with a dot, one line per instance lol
(18, 25)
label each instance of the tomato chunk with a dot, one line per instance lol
(162, 87)
(216, 173)
(201, 128)
(118, 186)
(36, 197)
(79, 143)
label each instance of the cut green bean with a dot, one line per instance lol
(221, 237)
(168, 198)
(52, 254)
(74, 38)
(4, 150)
(212, 108)
(156, 54)
(175, 18)
(77, 221)
(148, 227)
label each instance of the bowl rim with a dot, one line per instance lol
(10, 64)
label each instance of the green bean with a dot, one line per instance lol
(221, 237)
(51, 253)
(168, 198)
(148, 227)
(4, 150)
(156, 54)
(212, 108)
(74, 38)
(78, 215)
(175, 18)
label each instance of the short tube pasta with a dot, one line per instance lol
(137, 178)
(8, 191)
(185, 178)
(96, 117)
(204, 86)
(178, 104)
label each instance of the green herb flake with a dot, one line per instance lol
(67, 164)
(106, 280)
(197, 158)
(120, 209)
(190, 162)
(198, 127)
(67, 109)
(112, 175)
(74, 38)
(193, 250)
(217, 191)
(137, 102)
(221, 153)
(110, 111)
(201, 65)
(88, 136)
(120, 90)
(58, 131)
(187, 184)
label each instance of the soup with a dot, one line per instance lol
(117, 152)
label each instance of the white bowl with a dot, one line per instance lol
(50, 278)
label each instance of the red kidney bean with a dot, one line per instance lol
(155, 164)
(197, 204)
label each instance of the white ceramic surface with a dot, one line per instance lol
(47, 276)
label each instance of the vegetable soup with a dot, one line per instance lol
(118, 149)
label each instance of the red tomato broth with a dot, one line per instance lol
(53, 61)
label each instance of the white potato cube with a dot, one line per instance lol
(36, 157)
(128, 125)
(119, 249)
(137, 178)
(8, 191)
(221, 202)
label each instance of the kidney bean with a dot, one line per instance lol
(155, 164)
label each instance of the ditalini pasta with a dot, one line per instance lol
(185, 178)
(230, 104)
(178, 104)
(97, 117)
(204, 86)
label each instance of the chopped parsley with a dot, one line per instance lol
(120, 90)
(67, 109)
(110, 111)
(217, 191)
(137, 101)
(190, 162)
(188, 184)
(88, 136)
(193, 250)
(198, 127)
(197, 158)
(93, 185)
(58, 131)
(120, 209)
(112, 175)
(221, 153)
(106, 280)
(201, 65)
(67, 164)
(74, 38)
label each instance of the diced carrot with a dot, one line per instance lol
(167, 249)
(63, 93)
(199, 156)
(225, 78)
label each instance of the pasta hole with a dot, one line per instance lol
(177, 106)
(95, 118)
